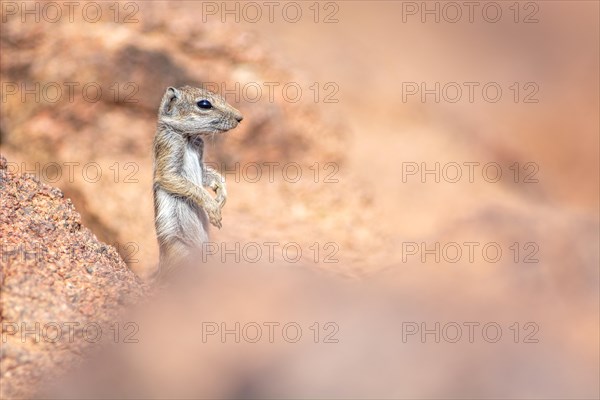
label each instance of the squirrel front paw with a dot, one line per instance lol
(221, 191)
(213, 210)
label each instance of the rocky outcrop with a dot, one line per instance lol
(60, 285)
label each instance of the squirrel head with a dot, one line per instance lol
(196, 111)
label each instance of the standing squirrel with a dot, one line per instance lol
(182, 203)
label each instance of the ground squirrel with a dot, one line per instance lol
(181, 201)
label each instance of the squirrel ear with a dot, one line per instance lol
(169, 100)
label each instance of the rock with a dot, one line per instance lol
(45, 285)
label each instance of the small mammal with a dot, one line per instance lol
(182, 203)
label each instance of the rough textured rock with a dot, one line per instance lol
(54, 274)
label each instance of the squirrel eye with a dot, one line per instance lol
(204, 104)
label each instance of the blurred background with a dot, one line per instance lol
(377, 227)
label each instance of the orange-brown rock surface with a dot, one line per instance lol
(54, 274)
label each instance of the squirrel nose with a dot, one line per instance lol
(239, 118)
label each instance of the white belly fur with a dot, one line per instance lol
(178, 218)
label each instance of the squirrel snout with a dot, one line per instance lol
(239, 117)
